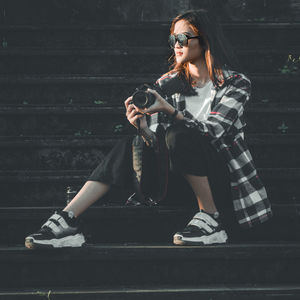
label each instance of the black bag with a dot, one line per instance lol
(150, 174)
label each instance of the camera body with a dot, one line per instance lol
(168, 86)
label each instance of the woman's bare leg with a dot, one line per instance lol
(89, 193)
(201, 188)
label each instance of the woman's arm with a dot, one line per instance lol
(225, 113)
(171, 109)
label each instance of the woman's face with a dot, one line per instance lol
(192, 51)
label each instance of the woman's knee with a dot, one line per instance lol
(176, 135)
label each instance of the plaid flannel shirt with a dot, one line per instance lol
(224, 128)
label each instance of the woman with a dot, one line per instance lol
(204, 137)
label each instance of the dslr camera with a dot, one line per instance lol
(169, 86)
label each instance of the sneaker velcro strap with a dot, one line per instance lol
(60, 220)
(207, 218)
(201, 224)
(52, 223)
(52, 226)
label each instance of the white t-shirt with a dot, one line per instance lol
(199, 105)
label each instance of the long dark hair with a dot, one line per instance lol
(218, 52)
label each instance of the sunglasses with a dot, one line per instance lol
(181, 38)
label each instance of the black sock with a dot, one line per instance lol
(217, 218)
(72, 221)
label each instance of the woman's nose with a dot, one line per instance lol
(177, 45)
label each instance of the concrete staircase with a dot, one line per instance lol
(65, 71)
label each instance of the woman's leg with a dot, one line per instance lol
(89, 193)
(115, 169)
(192, 155)
(182, 145)
(201, 188)
(62, 229)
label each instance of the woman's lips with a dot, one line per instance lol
(179, 53)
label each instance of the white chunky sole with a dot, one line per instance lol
(219, 237)
(76, 240)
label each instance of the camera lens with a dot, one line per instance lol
(140, 99)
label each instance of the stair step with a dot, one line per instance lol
(107, 12)
(130, 61)
(45, 175)
(60, 124)
(85, 89)
(164, 292)
(85, 152)
(144, 224)
(91, 64)
(238, 33)
(128, 51)
(109, 140)
(114, 109)
(60, 120)
(104, 79)
(152, 264)
(48, 187)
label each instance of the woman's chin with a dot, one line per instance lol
(179, 59)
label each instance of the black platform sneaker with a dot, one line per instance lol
(60, 230)
(203, 229)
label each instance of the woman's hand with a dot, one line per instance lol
(160, 104)
(133, 114)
